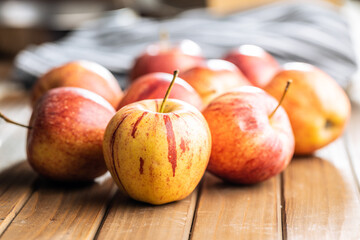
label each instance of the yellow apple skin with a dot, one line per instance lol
(317, 106)
(82, 74)
(157, 157)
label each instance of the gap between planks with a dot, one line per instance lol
(200, 188)
(129, 219)
(230, 211)
(282, 219)
(321, 196)
(15, 210)
(45, 209)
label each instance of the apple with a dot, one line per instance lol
(82, 74)
(214, 77)
(164, 57)
(317, 106)
(157, 153)
(66, 132)
(255, 63)
(252, 139)
(154, 85)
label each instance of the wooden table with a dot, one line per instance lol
(316, 197)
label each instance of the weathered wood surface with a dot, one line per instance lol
(321, 196)
(227, 211)
(317, 197)
(128, 219)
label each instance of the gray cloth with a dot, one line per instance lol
(290, 31)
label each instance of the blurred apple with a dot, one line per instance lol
(317, 106)
(249, 144)
(66, 135)
(255, 63)
(82, 74)
(154, 85)
(163, 57)
(214, 77)
(157, 154)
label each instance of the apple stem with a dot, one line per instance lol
(12, 122)
(282, 97)
(176, 73)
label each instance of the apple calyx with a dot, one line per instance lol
(176, 73)
(6, 119)
(282, 97)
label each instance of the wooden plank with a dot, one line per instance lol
(321, 197)
(228, 211)
(15, 190)
(128, 219)
(58, 211)
(16, 176)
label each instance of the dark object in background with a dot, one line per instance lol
(25, 22)
(316, 34)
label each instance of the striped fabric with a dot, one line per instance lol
(290, 31)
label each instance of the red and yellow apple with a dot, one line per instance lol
(317, 106)
(67, 129)
(214, 77)
(157, 157)
(82, 74)
(255, 63)
(154, 85)
(164, 57)
(248, 144)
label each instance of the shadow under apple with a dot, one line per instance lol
(20, 178)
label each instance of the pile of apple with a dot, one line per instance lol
(221, 115)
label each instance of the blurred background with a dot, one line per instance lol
(26, 24)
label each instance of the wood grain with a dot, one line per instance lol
(228, 211)
(321, 197)
(128, 219)
(61, 211)
(15, 190)
(16, 176)
(317, 197)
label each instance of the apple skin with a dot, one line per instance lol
(155, 85)
(65, 141)
(317, 106)
(255, 63)
(247, 146)
(82, 74)
(213, 78)
(161, 57)
(157, 157)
